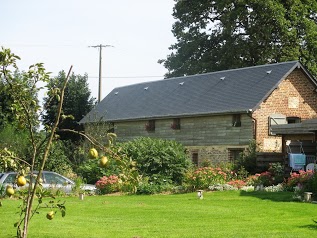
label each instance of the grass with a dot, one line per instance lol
(219, 214)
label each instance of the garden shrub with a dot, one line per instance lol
(91, 171)
(264, 178)
(312, 185)
(108, 184)
(299, 179)
(58, 161)
(158, 159)
(146, 187)
(247, 158)
(237, 183)
(203, 177)
(277, 172)
(302, 182)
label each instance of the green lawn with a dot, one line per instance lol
(219, 214)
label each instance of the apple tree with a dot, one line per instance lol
(26, 109)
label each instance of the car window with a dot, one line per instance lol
(34, 176)
(52, 178)
(10, 178)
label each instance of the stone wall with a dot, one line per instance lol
(198, 131)
(211, 137)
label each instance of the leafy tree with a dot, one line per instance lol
(223, 34)
(77, 103)
(26, 110)
(6, 114)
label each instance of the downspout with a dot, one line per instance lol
(249, 113)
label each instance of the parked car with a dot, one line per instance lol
(51, 180)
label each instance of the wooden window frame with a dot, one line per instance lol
(236, 120)
(176, 125)
(150, 126)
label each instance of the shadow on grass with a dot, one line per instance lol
(311, 226)
(273, 196)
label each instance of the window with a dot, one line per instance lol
(110, 127)
(10, 179)
(236, 120)
(150, 125)
(276, 119)
(291, 120)
(176, 125)
(234, 154)
(195, 158)
(51, 178)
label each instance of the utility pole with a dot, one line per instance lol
(100, 60)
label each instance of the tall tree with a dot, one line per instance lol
(8, 115)
(223, 34)
(77, 103)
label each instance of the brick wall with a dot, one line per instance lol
(294, 97)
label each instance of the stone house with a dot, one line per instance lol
(215, 115)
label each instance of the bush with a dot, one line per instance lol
(108, 184)
(91, 171)
(58, 161)
(277, 171)
(237, 183)
(247, 158)
(264, 178)
(301, 180)
(202, 178)
(158, 159)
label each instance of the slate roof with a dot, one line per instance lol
(228, 91)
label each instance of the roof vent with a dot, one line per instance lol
(182, 83)
(269, 71)
(146, 88)
(116, 93)
(222, 78)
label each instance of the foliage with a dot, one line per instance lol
(57, 159)
(277, 171)
(312, 185)
(158, 159)
(301, 180)
(264, 178)
(147, 187)
(247, 158)
(118, 164)
(237, 183)
(77, 103)
(13, 138)
(108, 184)
(90, 170)
(203, 177)
(218, 35)
(26, 109)
(6, 100)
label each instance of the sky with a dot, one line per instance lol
(58, 33)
